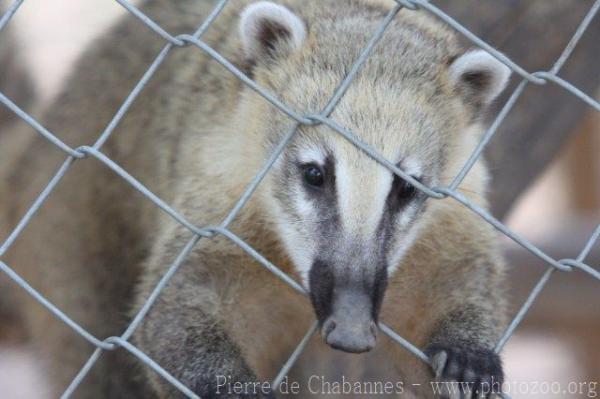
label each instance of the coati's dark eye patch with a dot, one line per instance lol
(313, 175)
(404, 189)
(402, 193)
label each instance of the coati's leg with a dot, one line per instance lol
(221, 319)
(465, 317)
(461, 347)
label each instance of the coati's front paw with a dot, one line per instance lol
(466, 372)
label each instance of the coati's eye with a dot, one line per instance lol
(313, 175)
(402, 193)
(406, 190)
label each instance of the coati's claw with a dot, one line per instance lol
(467, 373)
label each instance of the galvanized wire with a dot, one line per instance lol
(194, 39)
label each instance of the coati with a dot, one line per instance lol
(366, 244)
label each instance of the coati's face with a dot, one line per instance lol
(345, 220)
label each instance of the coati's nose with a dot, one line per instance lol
(350, 336)
(350, 327)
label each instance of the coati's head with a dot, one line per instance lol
(345, 220)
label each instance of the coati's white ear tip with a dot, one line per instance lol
(263, 22)
(478, 68)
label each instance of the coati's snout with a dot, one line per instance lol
(350, 327)
(347, 307)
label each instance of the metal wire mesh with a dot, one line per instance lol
(195, 40)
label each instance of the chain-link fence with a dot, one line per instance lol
(194, 42)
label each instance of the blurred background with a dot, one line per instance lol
(559, 339)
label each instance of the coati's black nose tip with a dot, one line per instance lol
(351, 336)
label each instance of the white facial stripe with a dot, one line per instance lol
(411, 167)
(343, 181)
(403, 244)
(361, 194)
(312, 155)
(406, 216)
(300, 249)
(305, 207)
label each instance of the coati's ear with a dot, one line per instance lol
(264, 24)
(478, 77)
